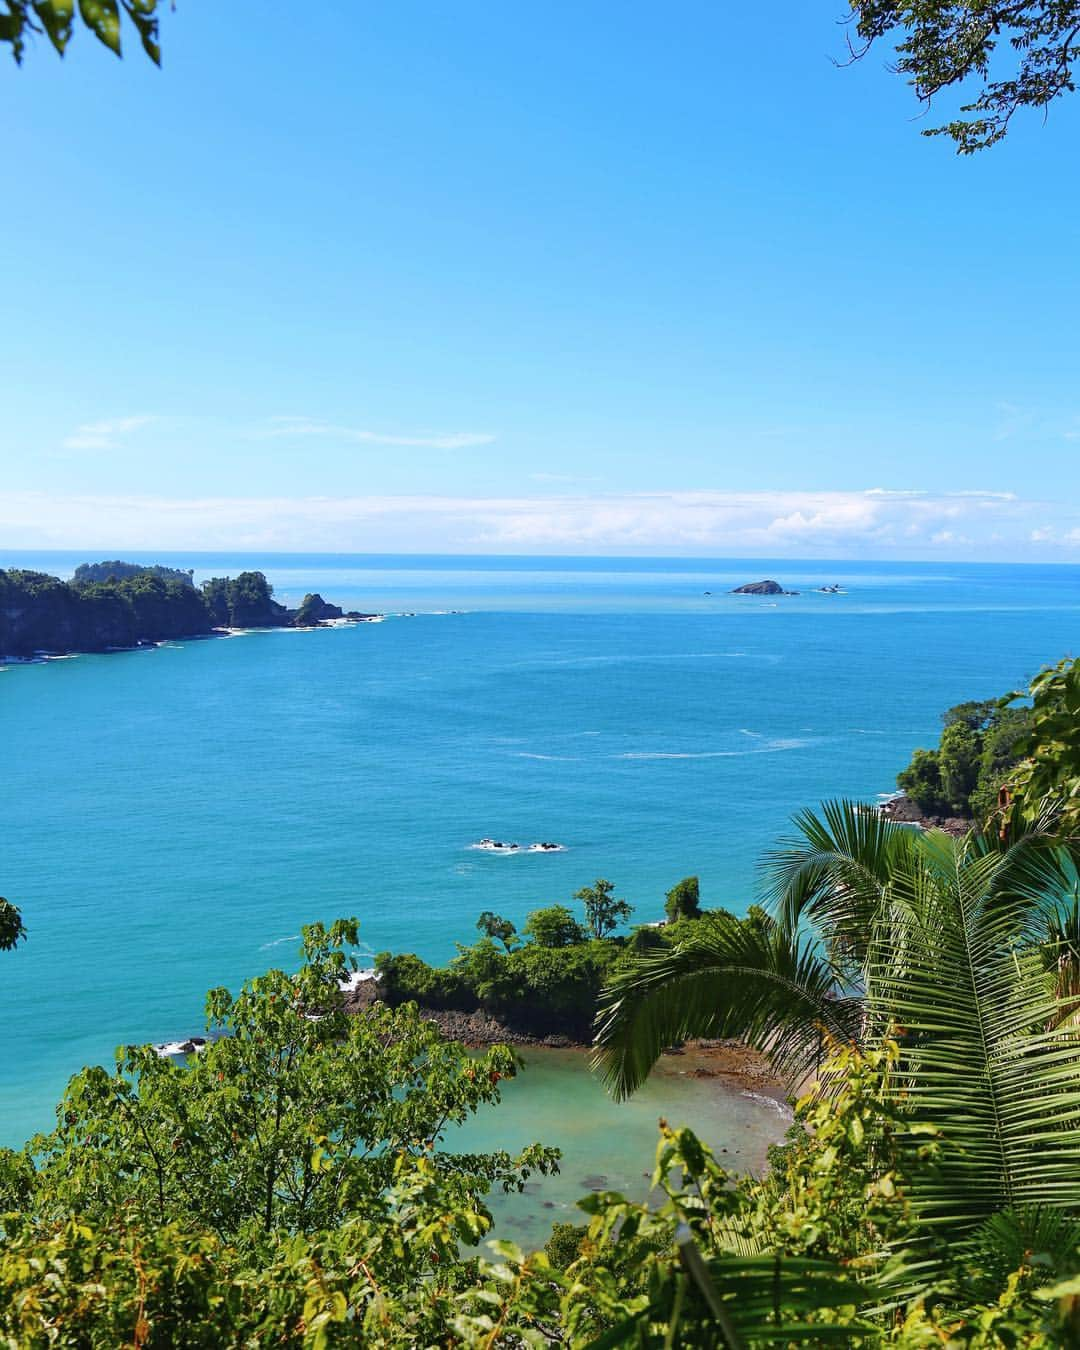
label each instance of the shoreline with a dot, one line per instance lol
(904, 811)
(43, 656)
(728, 1060)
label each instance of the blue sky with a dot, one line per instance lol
(529, 278)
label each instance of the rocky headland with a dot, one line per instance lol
(114, 606)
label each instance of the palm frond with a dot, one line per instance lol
(755, 982)
(834, 873)
(954, 967)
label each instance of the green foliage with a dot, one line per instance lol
(293, 1116)
(921, 781)
(554, 926)
(1048, 776)
(980, 747)
(245, 601)
(826, 1249)
(407, 978)
(563, 1247)
(115, 570)
(289, 1187)
(497, 928)
(956, 959)
(603, 912)
(12, 929)
(57, 19)
(550, 984)
(1018, 55)
(684, 900)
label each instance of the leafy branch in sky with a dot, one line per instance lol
(1022, 54)
(58, 19)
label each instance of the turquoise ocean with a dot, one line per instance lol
(172, 816)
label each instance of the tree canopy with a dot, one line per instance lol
(981, 744)
(603, 912)
(1014, 53)
(11, 925)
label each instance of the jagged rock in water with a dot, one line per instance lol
(314, 610)
(760, 588)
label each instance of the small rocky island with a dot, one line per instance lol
(762, 588)
(116, 606)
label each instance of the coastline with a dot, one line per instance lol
(728, 1060)
(43, 656)
(905, 812)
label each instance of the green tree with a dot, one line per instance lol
(876, 928)
(554, 926)
(684, 900)
(497, 928)
(1048, 776)
(978, 750)
(11, 925)
(959, 755)
(57, 19)
(921, 781)
(603, 912)
(1017, 53)
(293, 1117)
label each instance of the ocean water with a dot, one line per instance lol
(172, 816)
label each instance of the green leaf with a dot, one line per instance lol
(57, 18)
(142, 15)
(103, 18)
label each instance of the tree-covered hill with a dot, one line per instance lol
(979, 748)
(115, 570)
(41, 613)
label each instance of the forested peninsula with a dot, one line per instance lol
(112, 606)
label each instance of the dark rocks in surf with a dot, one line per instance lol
(314, 610)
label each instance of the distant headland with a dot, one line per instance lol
(111, 606)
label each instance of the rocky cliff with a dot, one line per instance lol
(41, 613)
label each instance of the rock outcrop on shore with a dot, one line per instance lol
(479, 1029)
(907, 812)
(314, 610)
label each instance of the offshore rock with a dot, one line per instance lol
(315, 610)
(762, 588)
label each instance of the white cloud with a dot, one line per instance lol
(104, 435)
(706, 522)
(307, 426)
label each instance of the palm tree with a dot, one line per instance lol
(875, 929)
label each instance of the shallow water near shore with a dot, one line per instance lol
(172, 816)
(610, 1146)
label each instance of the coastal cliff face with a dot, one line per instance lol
(314, 610)
(246, 601)
(41, 613)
